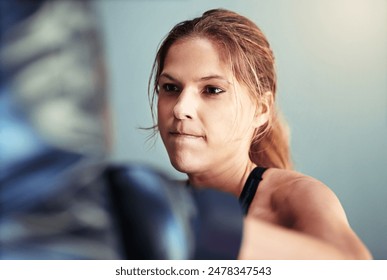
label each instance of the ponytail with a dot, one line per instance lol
(273, 149)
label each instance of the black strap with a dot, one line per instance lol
(250, 188)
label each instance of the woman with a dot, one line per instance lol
(215, 82)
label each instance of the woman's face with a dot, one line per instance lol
(205, 117)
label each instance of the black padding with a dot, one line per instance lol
(220, 225)
(156, 215)
(162, 219)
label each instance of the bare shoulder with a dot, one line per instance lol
(304, 197)
(309, 206)
(289, 198)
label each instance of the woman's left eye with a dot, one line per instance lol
(213, 90)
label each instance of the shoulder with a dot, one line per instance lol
(303, 197)
(290, 198)
(289, 184)
(309, 206)
(300, 202)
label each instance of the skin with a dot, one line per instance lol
(206, 120)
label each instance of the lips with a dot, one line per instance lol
(185, 134)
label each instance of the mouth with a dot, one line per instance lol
(184, 134)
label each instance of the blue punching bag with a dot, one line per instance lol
(60, 198)
(53, 144)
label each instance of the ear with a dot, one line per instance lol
(263, 110)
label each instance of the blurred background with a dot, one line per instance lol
(332, 75)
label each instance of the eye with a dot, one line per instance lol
(170, 88)
(213, 90)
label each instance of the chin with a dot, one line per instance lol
(186, 166)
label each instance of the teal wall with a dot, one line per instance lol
(332, 70)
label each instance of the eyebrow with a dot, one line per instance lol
(205, 78)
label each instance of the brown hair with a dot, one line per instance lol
(244, 46)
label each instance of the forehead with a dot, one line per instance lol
(196, 54)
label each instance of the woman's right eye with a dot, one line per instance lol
(170, 88)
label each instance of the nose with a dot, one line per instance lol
(185, 107)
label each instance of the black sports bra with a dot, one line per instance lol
(250, 188)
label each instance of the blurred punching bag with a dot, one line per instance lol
(53, 134)
(60, 198)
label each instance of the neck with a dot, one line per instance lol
(229, 179)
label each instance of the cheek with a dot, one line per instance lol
(219, 126)
(234, 127)
(163, 112)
